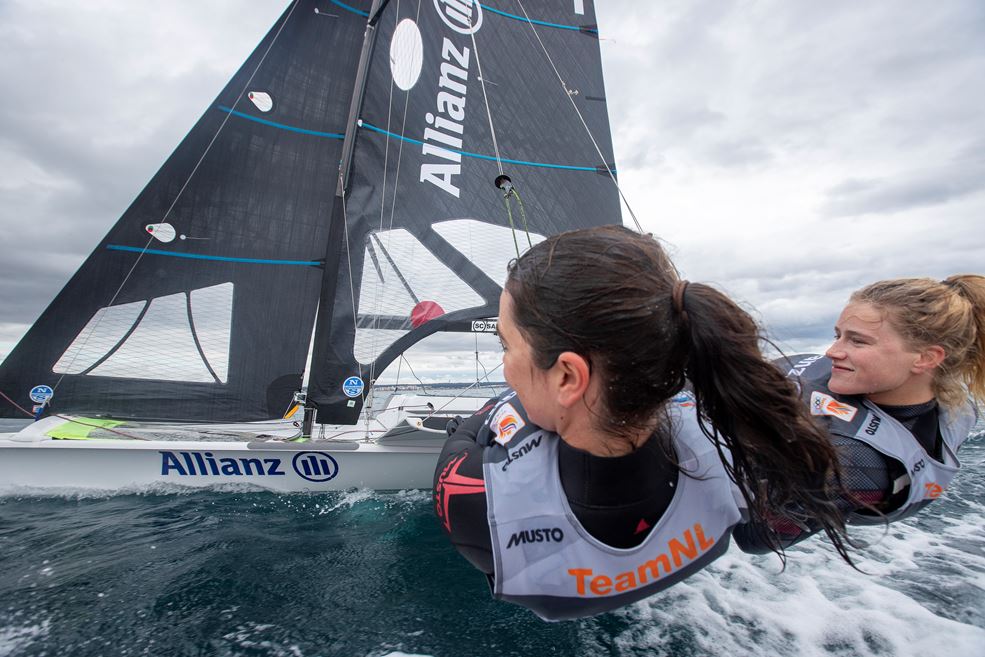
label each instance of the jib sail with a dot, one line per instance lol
(199, 303)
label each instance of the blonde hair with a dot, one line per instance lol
(948, 313)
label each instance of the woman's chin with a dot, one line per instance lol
(841, 387)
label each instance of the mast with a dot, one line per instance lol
(337, 247)
(358, 93)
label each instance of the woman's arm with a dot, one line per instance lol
(460, 492)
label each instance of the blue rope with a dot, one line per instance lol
(281, 126)
(199, 256)
(370, 126)
(352, 9)
(536, 22)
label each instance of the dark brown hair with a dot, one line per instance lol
(607, 294)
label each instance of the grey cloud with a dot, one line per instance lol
(913, 190)
(795, 78)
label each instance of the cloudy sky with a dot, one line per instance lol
(786, 151)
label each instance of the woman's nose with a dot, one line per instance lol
(835, 351)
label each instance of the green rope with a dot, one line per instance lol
(523, 216)
(509, 215)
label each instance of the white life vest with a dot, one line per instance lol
(859, 419)
(546, 561)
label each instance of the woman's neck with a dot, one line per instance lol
(578, 431)
(917, 390)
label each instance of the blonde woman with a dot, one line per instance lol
(897, 392)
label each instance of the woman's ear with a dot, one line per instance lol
(929, 358)
(573, 375)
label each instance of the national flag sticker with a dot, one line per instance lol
(506, 421)
(822, 404)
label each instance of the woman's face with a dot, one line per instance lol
(521, 373)
(869, 356)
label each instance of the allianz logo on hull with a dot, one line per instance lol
(312, 466)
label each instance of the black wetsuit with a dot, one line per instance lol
(616, 499)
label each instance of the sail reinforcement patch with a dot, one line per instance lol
(262, 100)
(406, 54)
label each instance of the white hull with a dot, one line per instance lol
(400, 456)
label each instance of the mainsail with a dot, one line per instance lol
(199, 303)
(460, 90)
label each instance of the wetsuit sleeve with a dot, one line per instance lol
(460, 492)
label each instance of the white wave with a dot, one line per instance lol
(743, 605)
(256, 637)
(14, 639)
(157, 488)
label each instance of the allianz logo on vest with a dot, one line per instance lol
(546, 535)
(312, 466)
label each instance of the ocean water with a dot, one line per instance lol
(242, 572)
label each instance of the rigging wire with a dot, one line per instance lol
(485, 97)
(181, 191)
(499, 159)
(396, 173)
(414, 374)
(478, 363)
(386, 161)
(459, 395)
(400, 149)
(588, 130)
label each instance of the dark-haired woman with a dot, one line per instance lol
(896, 391)
(596, 482)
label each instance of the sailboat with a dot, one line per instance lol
(360, 184)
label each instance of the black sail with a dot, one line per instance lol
(208, 317)
(424, 236)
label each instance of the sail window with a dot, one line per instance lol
(211, 316)
(406, 54)
(103, 332)
(403, 286)
(489, 246)
(179, 337)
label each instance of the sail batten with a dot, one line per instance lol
(280, 126)
(571, 167)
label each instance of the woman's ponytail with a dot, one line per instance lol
(614, 296)
(781, 460)
(972, 288)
